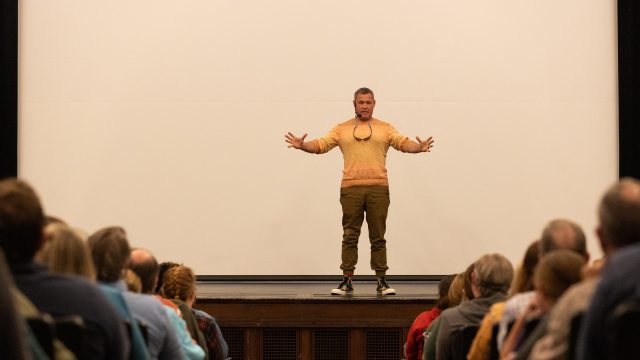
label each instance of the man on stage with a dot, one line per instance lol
(364, 141)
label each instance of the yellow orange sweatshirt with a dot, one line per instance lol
(364, 161)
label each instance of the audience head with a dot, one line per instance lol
(523, 280)
(443, 292)
(492, 274)
(456, 291)
(50, 223)
(468, 290)
(557, 271)
(110, 251)
(179, 283)
(619, 215)
(66, 252)
(133, 281)
(562, 234)
(50, 220)
(162, 269)
(145, 265)
(21, 221)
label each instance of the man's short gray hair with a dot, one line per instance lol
(494, 274)
(363, 91)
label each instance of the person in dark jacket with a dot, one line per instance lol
(490, 281)
(21, 236)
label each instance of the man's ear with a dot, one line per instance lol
(602, 239)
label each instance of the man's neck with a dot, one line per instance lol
(363, 120)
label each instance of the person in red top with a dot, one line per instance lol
(415, 341)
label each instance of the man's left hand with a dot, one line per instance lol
(425, 146)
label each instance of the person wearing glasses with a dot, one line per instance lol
(364, 141)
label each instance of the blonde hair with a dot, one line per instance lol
(179, 283)
(456, 291)
(67, 252)
(133, 281)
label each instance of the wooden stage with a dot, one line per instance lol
(297, 317)
(365, 288)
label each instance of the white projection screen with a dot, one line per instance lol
(168, 118)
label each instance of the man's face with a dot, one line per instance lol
(364, 104)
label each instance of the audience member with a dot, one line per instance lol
(145, 265)
(457, 295)
(559, 234)
(110, 251)
(25, 310)
(522, 282)
(21, 236)
(619, 234)
(216, 344)
(162, 269)
(490, 283)
(179, 286)
(468, 288)
(133, 281)
(415, 337)
(555, 342)
(556, 272)
(66, 252)
(13, 343)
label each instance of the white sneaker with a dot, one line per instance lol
(384, 288)
(344, 287)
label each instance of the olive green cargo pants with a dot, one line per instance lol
(356, 202)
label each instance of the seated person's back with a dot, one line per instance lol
(60, 295)
(21, 236)
(163, 340)
(110, 251)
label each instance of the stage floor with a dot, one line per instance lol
(311, 290)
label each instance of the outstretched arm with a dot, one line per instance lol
(299, 143)
(417, 147)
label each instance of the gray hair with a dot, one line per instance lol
(494, 274)
(363, 91)
(563, 234)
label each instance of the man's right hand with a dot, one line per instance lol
(294, 141)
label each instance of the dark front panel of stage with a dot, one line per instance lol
(319, 344)
(302, 321)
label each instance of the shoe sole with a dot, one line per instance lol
(340, 292)
(387, 292)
